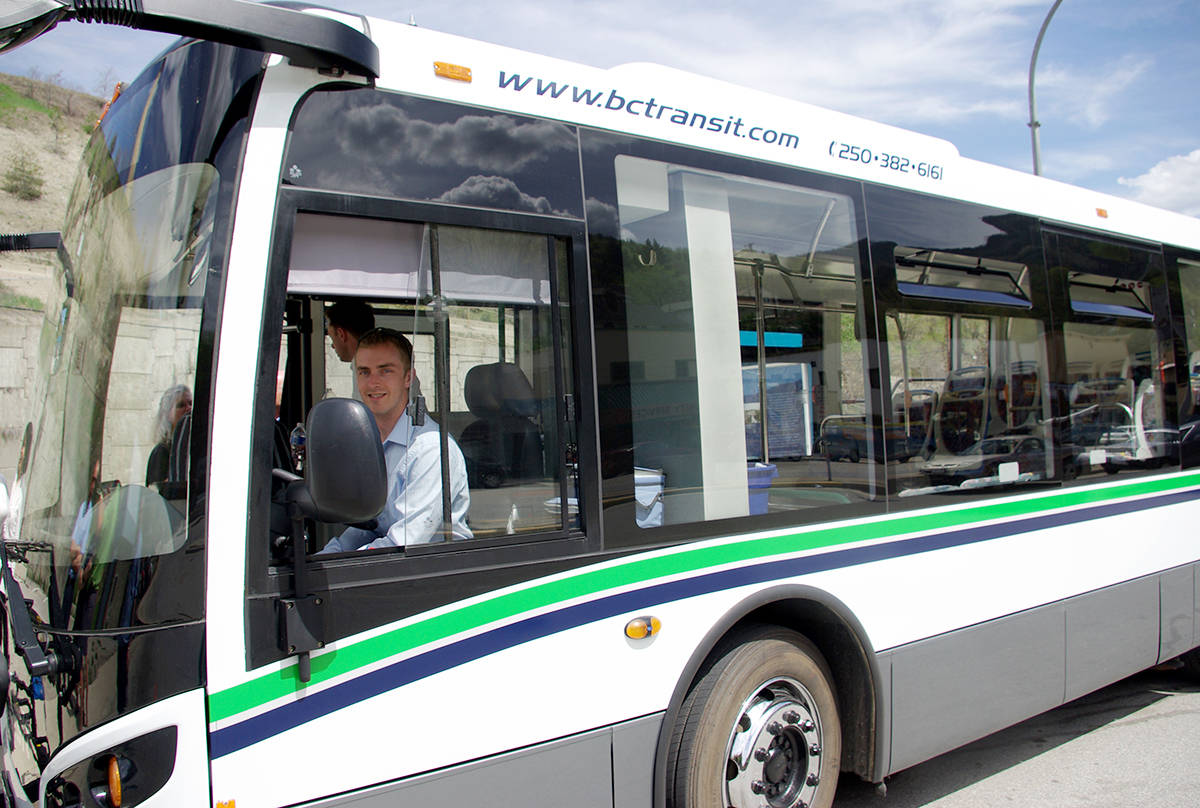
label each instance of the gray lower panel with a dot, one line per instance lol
(576, 771)
(950, 690)
(633, 748)
(1111, 634)
(1178, 598)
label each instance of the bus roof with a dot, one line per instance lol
(662, 103)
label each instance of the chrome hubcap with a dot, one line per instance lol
(773, 758)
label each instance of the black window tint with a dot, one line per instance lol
(385, 144)
(969, 408)
(941, 249)
(1120, 388)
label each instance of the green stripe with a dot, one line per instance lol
(251, 694)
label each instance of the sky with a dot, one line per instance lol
(1117, 81)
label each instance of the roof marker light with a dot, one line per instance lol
(452, 71)
(1102, 213)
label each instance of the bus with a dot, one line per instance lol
(797, 446)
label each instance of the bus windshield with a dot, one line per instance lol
(104, 539)
(108, 481)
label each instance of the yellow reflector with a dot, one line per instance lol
(1102, 213)
(639, 628)
(450, 71)
(114, 782)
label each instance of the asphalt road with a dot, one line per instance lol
(1135, 743)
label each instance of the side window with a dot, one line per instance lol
(742, 352)
(1189, 284)
(968, 406)
(1116, 344)
(482, 448)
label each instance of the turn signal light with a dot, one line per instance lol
(639, 628)
(114, 782)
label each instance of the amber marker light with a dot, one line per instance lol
(452, 71)
(639, 628)
(1102, 213)
(114, 782)
(117, 90)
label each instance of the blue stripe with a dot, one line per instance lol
(771, 339)
(294, 714)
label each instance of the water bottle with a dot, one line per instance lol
(296, 441)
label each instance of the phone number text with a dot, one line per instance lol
(887, 160)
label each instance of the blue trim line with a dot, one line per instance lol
(771, 339)
(294, 714)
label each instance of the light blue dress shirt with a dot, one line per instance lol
(413, 514)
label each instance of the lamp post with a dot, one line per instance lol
(1034, 124)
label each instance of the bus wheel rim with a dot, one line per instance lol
(773, 756)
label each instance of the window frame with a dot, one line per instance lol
(421, 577)
(599, 174)
(1187, 406)
(890, 298)
(1162, 303)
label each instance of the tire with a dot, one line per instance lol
(758, 728)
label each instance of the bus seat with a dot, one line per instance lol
(963, 411)
(503, 444)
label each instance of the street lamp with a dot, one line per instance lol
(1034, 124)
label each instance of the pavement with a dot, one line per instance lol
(1135, 743)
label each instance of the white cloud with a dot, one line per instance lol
(1173, 183)
(1087, 99)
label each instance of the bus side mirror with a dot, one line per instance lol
(345, 481)
(345, 477)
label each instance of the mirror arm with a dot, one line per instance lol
(302, 619)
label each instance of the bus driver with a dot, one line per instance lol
(412, 454)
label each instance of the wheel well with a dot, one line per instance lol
(849, 662)
(831, 627)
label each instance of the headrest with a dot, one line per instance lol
(497, 390)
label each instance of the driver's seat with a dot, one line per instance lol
(503, 444)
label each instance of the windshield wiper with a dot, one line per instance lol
(52, 240)
(23, 633)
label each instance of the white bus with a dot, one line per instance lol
(962, 498)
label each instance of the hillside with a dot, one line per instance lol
(43, 129)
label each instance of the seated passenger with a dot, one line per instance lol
(412, 454)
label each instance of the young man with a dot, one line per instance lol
(412, 454)
(345, 322)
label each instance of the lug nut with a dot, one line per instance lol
(815, 749)
(809, 725)
(813, 779)
(757, 787)
(791, 716)
(774, 728)
(760, 755)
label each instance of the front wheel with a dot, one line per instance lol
(759, 728)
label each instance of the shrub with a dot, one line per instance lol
(23, 179)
